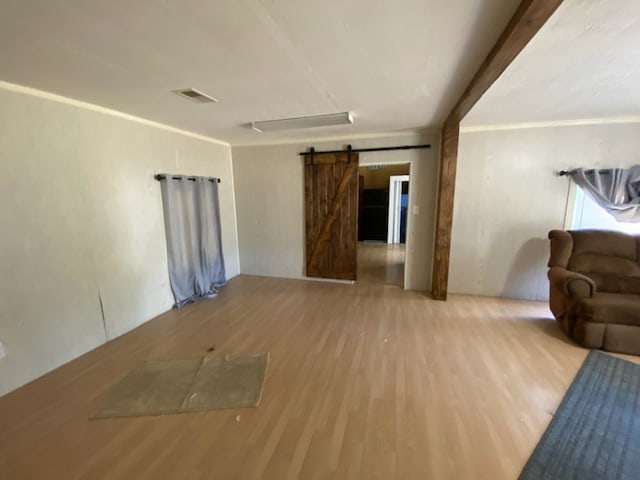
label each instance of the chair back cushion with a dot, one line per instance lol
(609, 258)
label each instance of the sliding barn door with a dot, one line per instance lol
(331, 215)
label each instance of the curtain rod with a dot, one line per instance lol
(162, 176)
(356, 150)
(566, 173)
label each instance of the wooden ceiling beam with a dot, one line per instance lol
(529, 17)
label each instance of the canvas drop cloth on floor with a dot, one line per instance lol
(174, 386)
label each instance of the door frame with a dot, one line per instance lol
(365, 162)
(395, 195)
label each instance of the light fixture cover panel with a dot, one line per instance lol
(344, 118)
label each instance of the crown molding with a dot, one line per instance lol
(400, 133)
(107, 111)
(549, 124)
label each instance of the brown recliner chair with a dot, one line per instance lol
(594, 278)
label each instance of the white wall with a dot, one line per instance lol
(270, 204)
(508, 196)
(81, 216)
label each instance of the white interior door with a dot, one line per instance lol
(395, 194)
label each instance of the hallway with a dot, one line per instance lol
(381, 263)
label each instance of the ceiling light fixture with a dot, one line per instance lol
(344, 118)
(195, 96)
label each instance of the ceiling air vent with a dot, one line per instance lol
(195, 96)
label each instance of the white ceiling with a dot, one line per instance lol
(583, 65)
(396, 65)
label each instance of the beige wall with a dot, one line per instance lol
(81, 216)
(379, 178)
(508, 196)
(270, 204)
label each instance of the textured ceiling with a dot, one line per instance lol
(395, 65)
(583, 65)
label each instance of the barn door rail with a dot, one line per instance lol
(312, 151)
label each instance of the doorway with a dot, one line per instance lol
(383, 193)
(398, 203)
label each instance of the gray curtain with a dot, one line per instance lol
(617, 190)
(194, 243)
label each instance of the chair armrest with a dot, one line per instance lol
(572, 284)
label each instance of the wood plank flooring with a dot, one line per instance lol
(381, 263)
(365, 382)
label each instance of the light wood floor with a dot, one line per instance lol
(381, 263)
(364, 382)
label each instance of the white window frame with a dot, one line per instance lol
(599, 218)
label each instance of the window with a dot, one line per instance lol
(588, 214)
